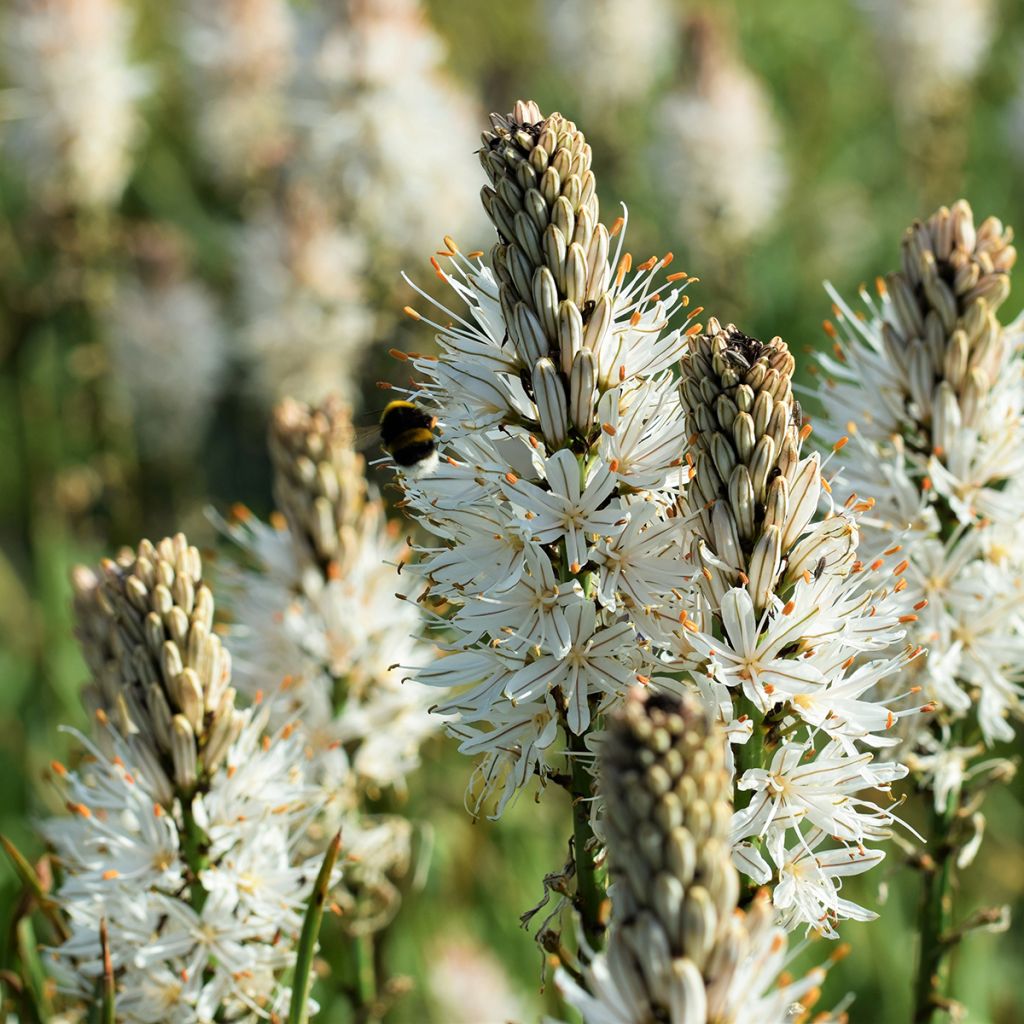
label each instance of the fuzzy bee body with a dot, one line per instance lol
(407, 435)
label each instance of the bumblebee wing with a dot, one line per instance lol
(367, 437)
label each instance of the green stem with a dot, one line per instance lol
(364, 995)
(589, 891)
(195, 846)
(108, 1014)
(935, 917)
(752, 753)
(298, 1013)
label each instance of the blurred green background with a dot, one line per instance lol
(843, 121)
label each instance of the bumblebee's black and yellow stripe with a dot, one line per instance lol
(407, 434)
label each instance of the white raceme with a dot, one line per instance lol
(74, 96)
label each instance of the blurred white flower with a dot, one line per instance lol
(931, 48)
(304, 318)
(718, 147)
(168, 352)
(388, 127)
(318, 621)
(470, 985)
(240, 55)
(589, 38)
(74, 94)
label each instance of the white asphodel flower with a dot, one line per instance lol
(810, 881)
(185, 944)
(556, 435)
(719, 150)
(319, 620)
(931, 384)
(240, 54)
(790, 633)
(74, 95)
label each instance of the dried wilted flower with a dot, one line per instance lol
(679, 950)
(74, 96)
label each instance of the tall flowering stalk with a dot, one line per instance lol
(74, 93)
(554, 506)
(720, 160)
(369, 65)
(934, 388)
(184, 813)
(791, 631)
(679, 949)
(317, 622)
(301, 296)
(240, 54)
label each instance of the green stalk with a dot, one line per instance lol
(27, 873)
(303, 981)
(589, 891)
(935, 916)
(37, 986)
(365, 990)
(195, 846)
(752, 753)
(109, 1011)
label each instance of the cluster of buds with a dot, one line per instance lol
(319, 486)
(161, 675)
(551, 262)
(753, 494)
(679, 949)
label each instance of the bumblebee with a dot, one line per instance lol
(407, 435)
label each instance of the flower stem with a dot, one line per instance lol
(108, 1013)
(195, 844)
(589, 891)
(364, 991)
(303, 982)
(935, 916)
(750, 754)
